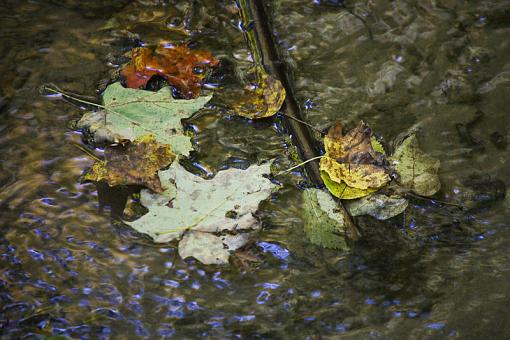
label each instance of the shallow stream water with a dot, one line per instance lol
(439, 68)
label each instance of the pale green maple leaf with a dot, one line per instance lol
(132, 113)
(193, 204)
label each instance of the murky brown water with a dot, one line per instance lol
(430, 66)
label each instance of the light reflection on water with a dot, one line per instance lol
(67, 270)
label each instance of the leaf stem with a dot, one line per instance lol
(436, 200)
(302, 122)
(87, 152)
(299, 165)
(63, 94)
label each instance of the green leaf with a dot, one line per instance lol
(323, 223)
(379, 206)
(417, 170)
(189, 202)
(131, 113)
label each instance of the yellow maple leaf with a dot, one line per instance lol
(352, 166)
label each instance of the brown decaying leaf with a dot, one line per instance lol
(355, 147)
(135, 163)
(181, 66)
(351, 158)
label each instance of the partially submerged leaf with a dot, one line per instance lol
(181, 66)
(205, 247)
(226, 202)
(133, 113)
(323, 223)
(351, 163)
(135, 163)
(379, 206)
(261, 100)
(417, 171)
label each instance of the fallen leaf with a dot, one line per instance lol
(354, 147)
(181, 66)
(379, 206)
(226, 202)
(135, 163)
(234, 242)
(131, 113)
(342, 190)
(417, 171)
(205, 247)
(352, 162)
(261, 100)
(323, 223)
(359, 176)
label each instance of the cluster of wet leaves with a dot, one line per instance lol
(355, 168)
(144, 135)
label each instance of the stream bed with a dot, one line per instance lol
(439, 68)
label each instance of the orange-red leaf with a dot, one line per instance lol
(181, 66)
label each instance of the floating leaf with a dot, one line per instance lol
(226, 202)
(379, 206)
(417, 171)
(323, 223)
(351, 161)
(359, 176)
(261, 100)
(205, 247)
(181, 66)
(135, 163)
(342, 191)
(133, 113)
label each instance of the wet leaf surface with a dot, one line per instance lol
(226, 202)
(205, 247)
(135, 163)
(323, 223)
(182, 67)
(262, 99)
(342, 190)
(131, 113)
(417, 171)
(351, 161)
(379, 206)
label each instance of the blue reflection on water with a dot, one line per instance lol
(275, 249)
(436, 325)
(263, 297)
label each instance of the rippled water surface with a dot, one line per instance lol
(436, 67)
